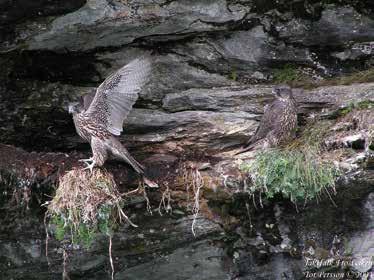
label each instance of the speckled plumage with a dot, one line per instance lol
(279, 121)
(100, 119)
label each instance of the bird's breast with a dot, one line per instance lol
(88, 128)
(80, 128)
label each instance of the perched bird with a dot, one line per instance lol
(279, 121)
(99, 120)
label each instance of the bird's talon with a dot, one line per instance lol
(89, 166)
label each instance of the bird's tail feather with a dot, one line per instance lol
(121, 152)
(245, 149)
(248, 146)
(125, 155)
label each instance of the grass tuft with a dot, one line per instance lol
(294, 173)
(287, 74)
(362, 105)
(233, 76)
(294, 76)
(84, 205)
(298, 171)
(365, 76)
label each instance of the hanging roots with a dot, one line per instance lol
(165, 200)
(194, 182)
(65, 275)
(145, 195)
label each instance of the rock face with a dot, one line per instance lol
(57, 52)
(214, 62)
(267, 244)
(336, 27)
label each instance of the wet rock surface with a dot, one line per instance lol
(329, 30)
(268, 243)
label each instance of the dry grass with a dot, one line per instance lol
(295, 78)
(366, 76)
(85, 204)
(80, 190)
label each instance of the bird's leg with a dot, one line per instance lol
(86, 160)
(90, 166)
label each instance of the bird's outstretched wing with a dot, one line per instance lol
(118, 93)
(87, 99)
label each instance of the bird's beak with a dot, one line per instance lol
(66, 106)
(276, 92)
(70, 109)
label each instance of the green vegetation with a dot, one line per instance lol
(287, 74)
(83, 233)
(85, 204)
(362, 105)
(296, 174)
(233, 76)
(365, 104)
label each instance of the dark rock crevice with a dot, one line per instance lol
(69, 68)
(21, 10)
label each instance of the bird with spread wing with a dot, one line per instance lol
(100, 120)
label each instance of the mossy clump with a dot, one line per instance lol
(287, 74)
(85, 204)
(233, 76)
(362, 105)
(296, 174)
(300, 171)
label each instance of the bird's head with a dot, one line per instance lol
(283, 91)
(82, 104)
(75, 108)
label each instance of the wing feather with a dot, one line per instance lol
(270, 120)
(87, 99)
(116, 96)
